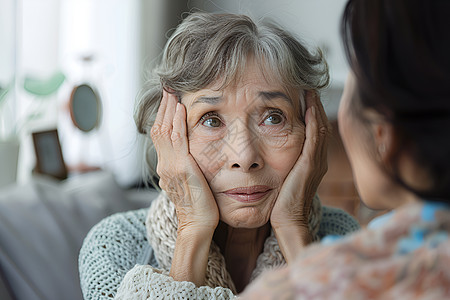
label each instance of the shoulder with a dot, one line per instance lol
(335, 221)
(382, 254)
(111, 248)
(126, 226)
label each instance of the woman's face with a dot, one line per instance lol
(245, 138)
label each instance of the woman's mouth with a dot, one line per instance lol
(248, 194)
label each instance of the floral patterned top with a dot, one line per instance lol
(407, 257)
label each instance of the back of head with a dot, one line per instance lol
(399, 51)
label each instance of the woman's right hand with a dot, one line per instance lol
(180, 176)
(186, 187)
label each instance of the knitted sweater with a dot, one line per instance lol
(406, 257)
(122, 251)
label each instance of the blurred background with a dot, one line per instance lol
(110, 44)
(53, 50)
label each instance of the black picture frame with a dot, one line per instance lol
(49, 157)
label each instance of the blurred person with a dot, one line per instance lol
(394, 119)
(234, 115)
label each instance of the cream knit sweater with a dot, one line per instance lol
(146, 282)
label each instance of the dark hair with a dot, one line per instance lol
(399, 51)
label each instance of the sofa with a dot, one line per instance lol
(42, 227)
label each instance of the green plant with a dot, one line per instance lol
(41, 88)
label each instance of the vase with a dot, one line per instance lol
(9, 157)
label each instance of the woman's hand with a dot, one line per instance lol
(290, 214)
(179, 173)
(187, 188)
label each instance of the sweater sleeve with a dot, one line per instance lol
(146, 282)
(109, 251)
(336, 222)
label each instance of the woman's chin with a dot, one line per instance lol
(246, 217)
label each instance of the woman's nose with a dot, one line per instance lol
(243, 148)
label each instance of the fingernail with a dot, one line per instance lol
(313, 111)
(178, 107)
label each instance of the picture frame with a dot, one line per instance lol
(49, 157)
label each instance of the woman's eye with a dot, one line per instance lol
(210, 120)
(273, 119)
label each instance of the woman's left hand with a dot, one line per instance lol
(290, 214)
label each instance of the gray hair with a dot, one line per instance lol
(207, 47)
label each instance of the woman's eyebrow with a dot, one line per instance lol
(264, 95)
(207, 100)
(275, 95)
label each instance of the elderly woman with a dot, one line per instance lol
(240, 137)
(394, 119)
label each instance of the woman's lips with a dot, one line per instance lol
(248, 194)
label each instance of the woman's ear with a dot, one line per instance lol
(384, 141)
(383, 137)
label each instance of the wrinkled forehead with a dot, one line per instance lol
(262, 78)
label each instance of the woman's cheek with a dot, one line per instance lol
(208, 153)
(275, 140)
(283, 151)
